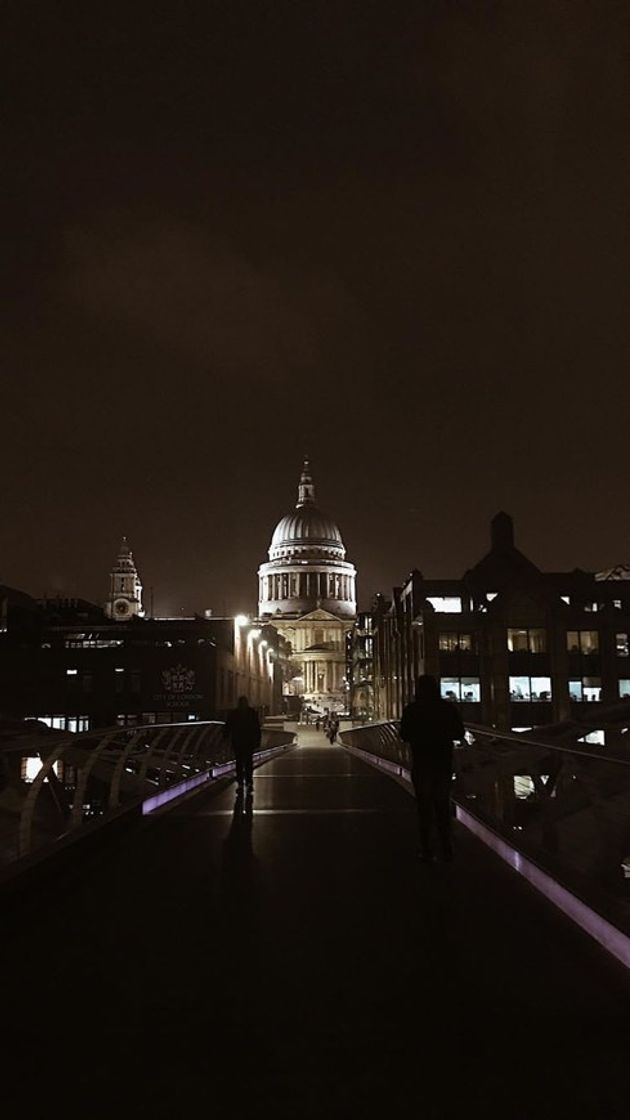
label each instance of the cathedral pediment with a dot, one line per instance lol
(319, 615)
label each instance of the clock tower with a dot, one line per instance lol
(125, 589)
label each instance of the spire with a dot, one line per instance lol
(306, 489)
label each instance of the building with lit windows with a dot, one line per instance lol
(75, 666)
(307, 591)
(515, 647)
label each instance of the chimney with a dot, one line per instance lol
(502, 532)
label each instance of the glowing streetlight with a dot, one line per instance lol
(241, 620)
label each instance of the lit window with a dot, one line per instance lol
(71, 672)
(585, 689)
(524, 689)
(598, 737)
(592, 688)
(527, 641)
(78, 723)
(624, 688)
(523, 786)
(466, 689)
(456, 643)
(445, 604)
(58, 723)
(583, 641)
(617, 604)
(30, 768)
(566, 599)
(621, 645)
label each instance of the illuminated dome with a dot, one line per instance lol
(307, 568)
(306, 530)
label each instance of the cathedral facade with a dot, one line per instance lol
(307, 591)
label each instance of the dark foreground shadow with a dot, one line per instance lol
(239, 879)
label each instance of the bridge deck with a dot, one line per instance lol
(300, 962)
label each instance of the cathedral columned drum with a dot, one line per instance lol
(307, 591)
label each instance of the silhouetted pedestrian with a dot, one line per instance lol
(430, 725)
(242, 727)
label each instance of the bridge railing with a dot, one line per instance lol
(565, 809)
(55, 787)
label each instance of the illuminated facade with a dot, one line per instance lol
(307, 591)
(515, 647)
(125, 589)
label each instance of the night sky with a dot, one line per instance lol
(393, 236)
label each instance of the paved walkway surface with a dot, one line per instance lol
(299, 962)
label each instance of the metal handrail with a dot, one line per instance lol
(522, 739)
(191, 742)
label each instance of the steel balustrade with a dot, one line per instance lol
(559, 814)
(116, 768)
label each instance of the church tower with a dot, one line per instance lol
(125, 589)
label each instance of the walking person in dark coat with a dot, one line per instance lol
(242, 727)
(429, 725)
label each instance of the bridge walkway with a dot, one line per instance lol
(300, 962)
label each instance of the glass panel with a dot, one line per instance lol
(541, 688)
(538, 641)
(589, 641)
(621, 645)
(470, 690)
(450, 688)
(517, 641)
(575, 690)
(624, 688)
(448, 643)
(466, 643)
(519, 688)
(573, 641)
(592, 688)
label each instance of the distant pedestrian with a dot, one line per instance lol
(242, 728)
(317, 723)
(430, 725)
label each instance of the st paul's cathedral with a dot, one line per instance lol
(307, 591)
